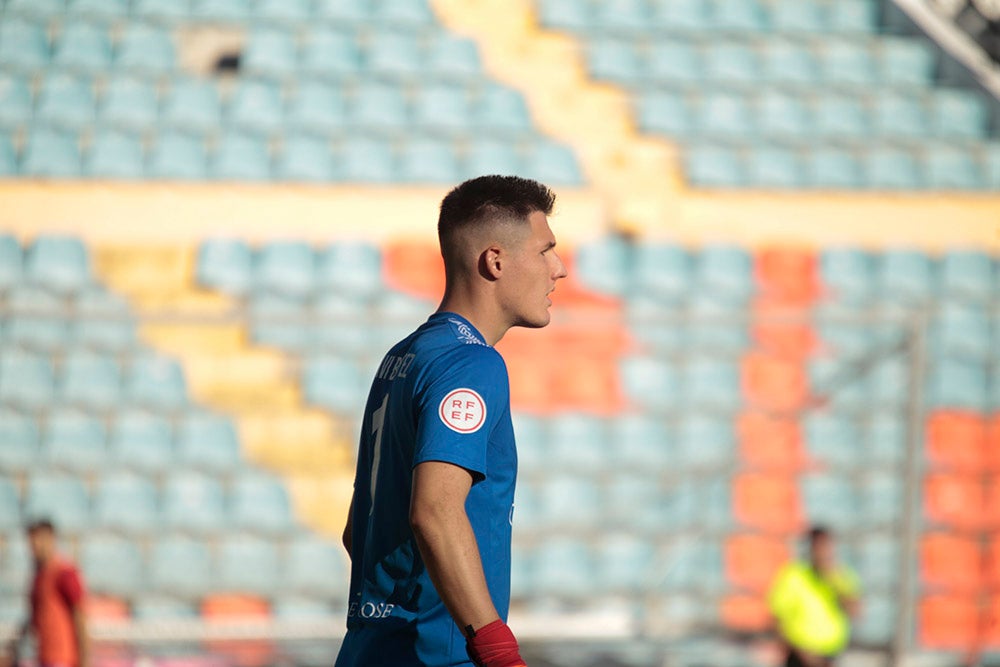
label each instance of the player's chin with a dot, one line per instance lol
(535, 320)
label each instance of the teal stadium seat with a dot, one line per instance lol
(958, 113)
(350, 267)
(888, 383)
(222, 11)
(840, 330)
(156, 383)
(429, 160)
(885, 440)
(570, 15)
(654, 323)
(192, 105)
(247, 564)
(829, 500)
(379, 106)
(492, 156)
(21, 448)
(890, 168)
(882, 500)
(408, 13)
(305, 158)
(23, 46)
(962, 331)
(663, 112)
(241, 157)
(59, 264)
(270, 53)
(256, 106)
(15, 102)
(564, 568)
(61, 497)
(75, 440)
(207, 442)
(317, 107)
(624, 16)
(260, 503)
(141, 441)
(878, 558)
(225, 265)
(115, 155)
(155, 607)
(774, 168)
(193, 502)
(10, 508)
(739, 16)
(681, 15)
(836, 387)
(285, 267)
(602, 265)
(877, 622)
(832, 440)
(342, 11)
(710, 383)
(846, 61)
(26, 380)
(788, 62)
(167, 11)
(724, 115)
(65, 102)
(289, 12)
(99, 10)
(731, 63)
(578, 441)
(442, 109)
(832, 168)
(315, 567)
(614, 60)
(568, 500)
(126, 502)
(553, 164)
(11, 262)
(905, 61)
(692, 566)
(853, 16)
(950, 167)
(453, 58)
(991, 165)
(367, 160)
(531, 437)
(145, 49)
(297, 609)
(958, 384)
(798, 16)
(176, 156)
(905, 275)
(112, 565)
(90, 381)
(17, 563)
(82, 47)
(330, 54)
(625, 564)
(704, 442)
(334, 383)
(649, 383)
(277, 321)
(103, 322)
(38, 9)
(664, 270)
(674, 61)
(780, 114)
(635, 501)
(36, 322)
(180, 565)
(725, 271)
(394, 55)
(500, 110)
(129, 103)
(847, 274)
(717, 325)
(899, 115)
(967, 275)
(842, 116)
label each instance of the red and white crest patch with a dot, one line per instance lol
(463, 411)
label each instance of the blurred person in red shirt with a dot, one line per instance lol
(57, 614)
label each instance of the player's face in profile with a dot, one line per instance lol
(535, 268)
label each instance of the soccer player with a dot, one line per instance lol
(429, 528)
(57, 593)
(813, 602)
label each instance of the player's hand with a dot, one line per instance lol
(494, 645)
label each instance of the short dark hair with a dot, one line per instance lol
(817, 532)
(42, 523)
(489, 198)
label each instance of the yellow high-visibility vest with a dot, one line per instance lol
(807, 608)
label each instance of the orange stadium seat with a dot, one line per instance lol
(949, 563)
(104, 608)
(587, 384)
(767, 442)
(753, 560)
(228, 608)
(958, 501)
(991, 624)
(992, 571)
(414, 267)
(777, 329)
(992, 492)
(745, 613)
(993, 443)
(956, 441)
(531, 379)
(773, 383)
(767, 502)
(788, 274)
(948, 622)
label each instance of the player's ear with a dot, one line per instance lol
(491, 262)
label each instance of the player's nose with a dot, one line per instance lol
(560, 268)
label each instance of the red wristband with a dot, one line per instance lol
(493, 645)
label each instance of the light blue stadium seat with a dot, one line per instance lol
(725, 271)
(103, 322)
(832, 440)
(625, 564)
(569, 15)
(528, 514)
(353, 267)
(129, 103)
(19, 435)
(156, 383)
(286, 267)
(878, 558)
(663, 113)
(876, 624)
(674, 61)
(950, 167)
(651, 384)
(848, 62)
(705, 442)
(847, 273)
(905, 275)
(127, 502)
(553, 164)
(60, 497)
(829, 500)
(614, 60)
(532, 443)
(489, 156)
(395, 55)
(25, 379)
(453, 58)
(207, 442)
(716, 325)
(967, 275)
(709, 165)
(888, 383)
(241, 157)
(59, 264)
(843, 330)
(291, 12)
(83, 47)
(317, 107)
(15, 107)
(889, 168)
(603, 265)
(115, 155)
(65, 102)
(564, 567)
(958, 113)
(37, 9)
(10, 503)
(90, 380)
(397, 315)
(788, 62)
(179, 157)
(501, 109)
(958, 384)
(270, 53)
(330, 53)
(194, 502)
(905, 61)
(832, 168)
(429, 161)
(278, 321)
(408, 13)
(306, 158)
(680, 15)
(367, 160)
(36, 320)
(247, 564)
(334, 383)
(624, 16)
(145, 49)
(882, 499)
(11, 262)
(710, 383)
(297, 608)
(142, 440)
(154, 607)
(692, 565)
(161, 10)
(662, 269)
(16, 563)
(23, 45)
(991, 164)
(315, 567)
(724, 114)
(655, 323)
(192, 105)
(261, 503)
(774, 168)
(900, 115)
(180, 565)
(853, 16)
(578, 442)
(223, 11)
(842, 116)
(256, 106)
(731, 63)
(796, 16)
(442, 108)
(379, 106)
(739, 16)
(962, 330)
(568, 500)
(885, 440)
(635, 501)
(51, 154)
(112, 565)
(101, 10)
(75, 440)
(782, 115)
(837, 386)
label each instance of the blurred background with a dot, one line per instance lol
(781, 219)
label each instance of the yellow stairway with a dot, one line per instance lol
(256, 386)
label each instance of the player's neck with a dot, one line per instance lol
(484, 314)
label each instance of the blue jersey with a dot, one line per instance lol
(441, 394)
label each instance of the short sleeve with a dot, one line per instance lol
(781, 597)
(70, 586)
(465, 394)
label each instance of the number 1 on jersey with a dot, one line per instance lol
(378, 426)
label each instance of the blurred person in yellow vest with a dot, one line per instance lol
(813, 603)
